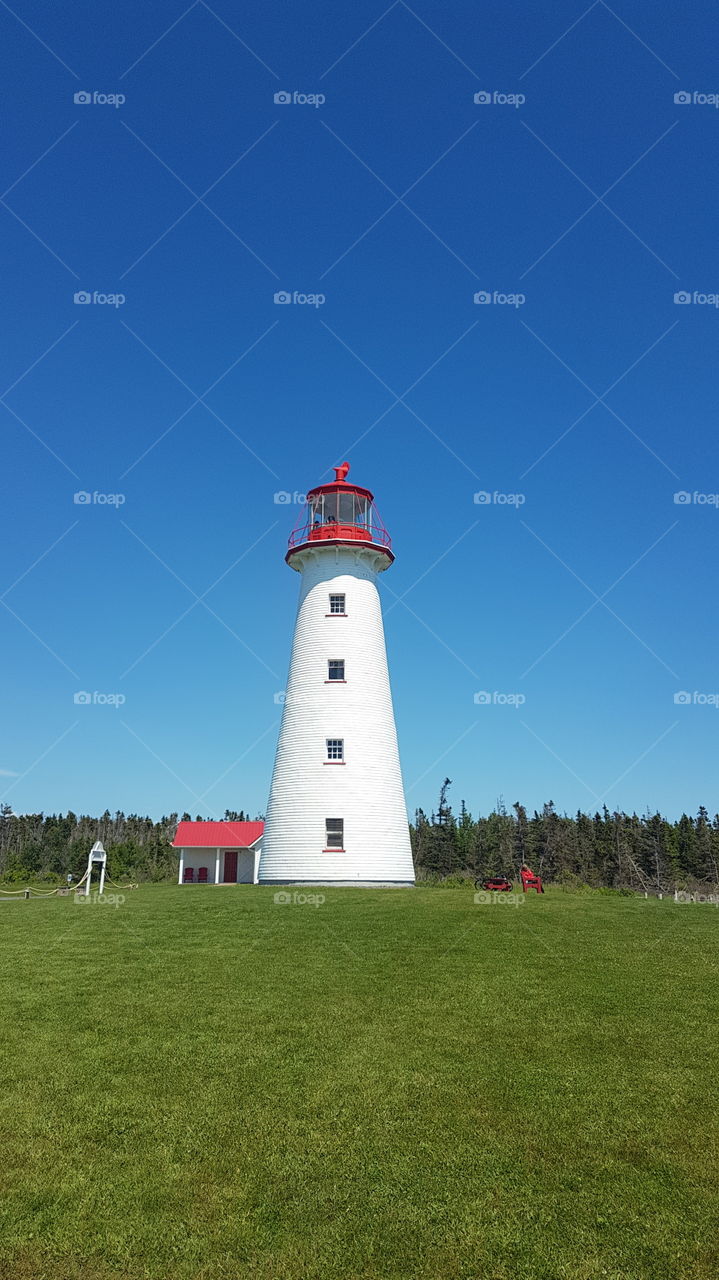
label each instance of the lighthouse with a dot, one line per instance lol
(336, 812)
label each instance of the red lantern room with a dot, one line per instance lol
(340, 514)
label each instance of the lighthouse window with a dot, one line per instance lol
(337, 604)
(335, 749)
(335, 669)
(334, 833)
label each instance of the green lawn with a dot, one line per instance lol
(203, 1084)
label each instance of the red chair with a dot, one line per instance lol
(202, 875)
(530, 881)
(189, 875)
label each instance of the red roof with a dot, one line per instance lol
(217, 835)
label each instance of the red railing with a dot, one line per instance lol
(336, 532)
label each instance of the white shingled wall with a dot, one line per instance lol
(366, 791)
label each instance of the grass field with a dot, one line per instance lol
(203, 1084)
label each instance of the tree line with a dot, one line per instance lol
(51, 846)
(602, 849)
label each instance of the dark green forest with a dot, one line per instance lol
(603, 849)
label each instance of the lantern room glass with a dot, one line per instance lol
(344, 513)
(340, 507)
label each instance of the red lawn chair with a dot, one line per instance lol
(530, 881)
(189, 875)
(202, 875)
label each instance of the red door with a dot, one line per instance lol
(230, 866)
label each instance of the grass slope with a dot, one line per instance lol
(203, 1084)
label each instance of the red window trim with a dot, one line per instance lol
(334, 762)
(335, 850)
(337, 615)
(335, 682)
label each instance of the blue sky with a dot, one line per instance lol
(198, 398)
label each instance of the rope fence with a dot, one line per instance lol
(61, 890)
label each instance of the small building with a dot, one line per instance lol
(218, 852)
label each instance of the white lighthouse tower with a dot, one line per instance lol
(336, 812)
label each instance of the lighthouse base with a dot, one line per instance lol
(343, 884)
